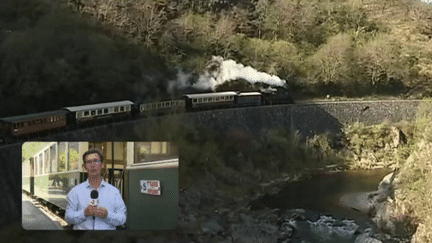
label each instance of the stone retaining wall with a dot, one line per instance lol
(250, 122)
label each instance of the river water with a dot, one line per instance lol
(328, 219)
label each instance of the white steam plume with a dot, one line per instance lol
(220, 71)
(181, 82)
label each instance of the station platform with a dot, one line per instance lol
(33, 218)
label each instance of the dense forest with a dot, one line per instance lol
(63, 53)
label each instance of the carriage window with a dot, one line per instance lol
(195, 100)
(51, 119)
(86, 113)
(217, 98)
(122, 108)
(93, 113)
(36, 166)
(154, 151)
(167, 104)
(173, 103)
(159, 105)
(99, 112)
(163, 104)
(46, 161)
(199, 100)
(204, 99)
(53, 158)
(62, 153)
(116, 109)
(73, 155)
(41, 167)
(105, 110)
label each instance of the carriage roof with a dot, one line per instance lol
(206, 95)
(13, 119)
(98, 106)
(250, 94)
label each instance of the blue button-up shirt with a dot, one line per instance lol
(109, 198)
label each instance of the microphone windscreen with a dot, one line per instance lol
(94, 194)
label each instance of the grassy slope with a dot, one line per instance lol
(343, 48)
(415, 198)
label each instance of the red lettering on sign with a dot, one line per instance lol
(153, 183)
(154, 192)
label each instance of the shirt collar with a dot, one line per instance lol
(87, 184)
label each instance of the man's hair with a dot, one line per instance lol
(93, 151)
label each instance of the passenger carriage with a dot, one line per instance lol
(87, 114)
(51, 172)
(209, 100)
(16, 126)
(162, 108)
(248, 99)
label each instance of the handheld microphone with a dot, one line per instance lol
(94, 199)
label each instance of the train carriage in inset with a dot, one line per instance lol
(248, 99)
(88, 114)
(152, 187)
(16, 126)
(209, 100)
(162, 108)
(27, 177)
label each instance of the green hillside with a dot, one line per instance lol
(54, 53)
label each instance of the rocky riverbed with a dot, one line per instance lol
(207, 215)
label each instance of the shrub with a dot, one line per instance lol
(380, 62)
(333, 64)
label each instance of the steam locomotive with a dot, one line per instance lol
(39, 124)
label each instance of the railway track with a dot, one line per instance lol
(298, 103)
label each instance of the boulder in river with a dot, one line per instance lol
(365, 237)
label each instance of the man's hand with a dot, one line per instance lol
(90, 210)
(101, 212)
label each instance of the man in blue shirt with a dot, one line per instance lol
(110, 210)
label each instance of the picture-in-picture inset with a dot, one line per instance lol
(100, 185)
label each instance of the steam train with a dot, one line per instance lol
(38, 124)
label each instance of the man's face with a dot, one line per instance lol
(92, 167)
